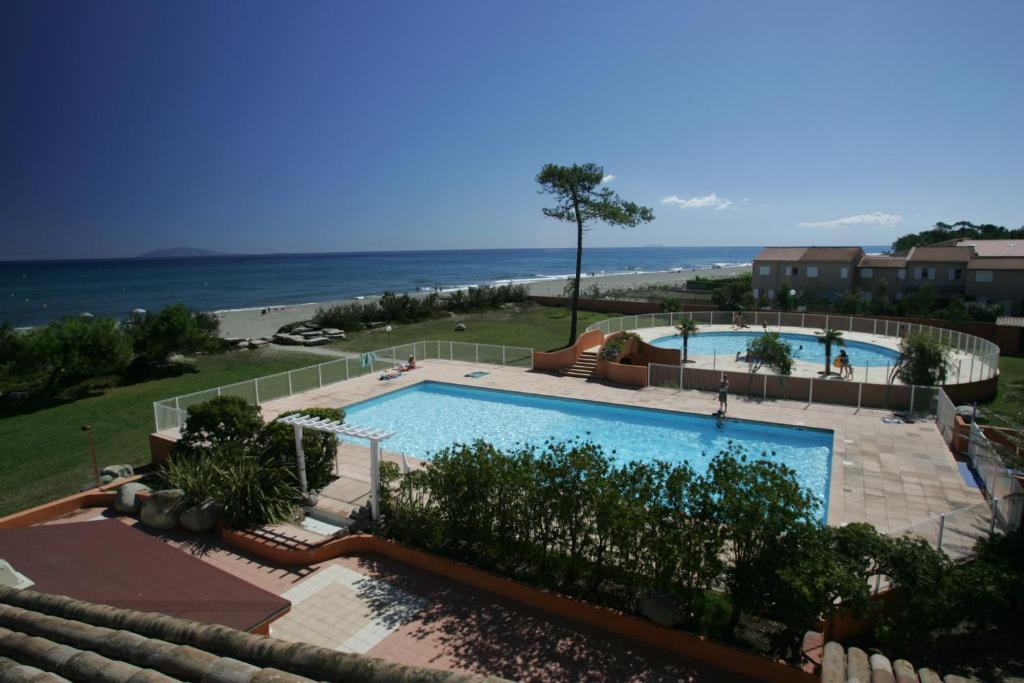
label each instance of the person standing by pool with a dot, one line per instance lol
(723, 396)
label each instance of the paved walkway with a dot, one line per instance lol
(890, 475)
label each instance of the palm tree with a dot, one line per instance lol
(686, 329)
(828, 337)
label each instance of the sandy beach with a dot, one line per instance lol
(254, 322)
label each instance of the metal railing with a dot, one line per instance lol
(171, 413)
(982, 355)
(763, 385)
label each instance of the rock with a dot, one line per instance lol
(311, 334)
(316, 341)
(233, 340)
(311, 499)
(328, 331)
(460, 328)
(661, 609)
(200, 518)
(118, 471)
(242, 345)
(162, 508)
(257, 343)
(127, 500)
(361, 513)
(106, 479)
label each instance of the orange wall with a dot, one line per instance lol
(160, 447)
(564, 358)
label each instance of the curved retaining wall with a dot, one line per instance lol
(567, 357)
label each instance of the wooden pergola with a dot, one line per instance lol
(374, 436)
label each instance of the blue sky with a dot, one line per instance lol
(337, 126)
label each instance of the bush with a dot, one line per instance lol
(219, 421)
(251, 491)
(769, 349)
(75, 348)
(320, 448)
(735, 295)
(175, 329)
(923, 360)
(566, 517)
(612, 349)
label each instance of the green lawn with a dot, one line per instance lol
(43, 454)
(1009, 402)
(538, 327)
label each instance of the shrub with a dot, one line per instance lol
(567, 517)
(76, 348)
(219, 421)
(670, 303)
(769, 349)
(320, 448)
(923, 360)
(175, 329)
(612, 349)
(250, 490)
(736, 294)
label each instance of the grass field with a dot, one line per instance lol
(44, 454)
(538, 327)
(1009, 402)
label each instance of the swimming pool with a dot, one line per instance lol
(430, 416)
(806, 347)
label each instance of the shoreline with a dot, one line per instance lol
(250, 323)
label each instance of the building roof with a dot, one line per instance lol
(780, 254)
(811, 254)
(55, 638)
(941, 254)
(996, 264)
(839, 665)
(111, 563)
(996, 248)
(882, 261)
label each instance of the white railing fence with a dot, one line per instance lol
(171, 413)
(981, 363)
(918, 400)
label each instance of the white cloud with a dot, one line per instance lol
(745, 200)
(876, 218)
(708, 200)
(608, 178)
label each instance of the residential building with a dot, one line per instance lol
(987, 271)
(829, 269)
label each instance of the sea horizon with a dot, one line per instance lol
(37, 291)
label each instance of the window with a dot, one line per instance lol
(792, 270)
(844, 273)
(924, 273)
(867, 273)
(899, 295)
(917, 273)
(983, 276)
(757, 292)
(812, 271)
(771, 293)
(901, 274)
(764, 270)
(954, 273)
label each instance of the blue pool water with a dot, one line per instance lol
(806, 347)
(430, 416)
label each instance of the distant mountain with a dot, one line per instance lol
(180, 252)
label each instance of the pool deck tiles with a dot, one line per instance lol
(890, 475)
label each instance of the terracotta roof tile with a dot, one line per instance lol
(832, 254)
(996, 248)
(882, 261)
(940, 254)
(780, 254)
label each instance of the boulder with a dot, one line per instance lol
(312, 333)
(162, 509)
(329, 331)
(316, 341)
(127, 501)
(257, 343)
(242, 345)
(460, 328)
(117, 471)
(661, 609)
(200, 518)
(106, 479)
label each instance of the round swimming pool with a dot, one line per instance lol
(806, 347)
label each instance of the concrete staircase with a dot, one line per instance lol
(585, 366)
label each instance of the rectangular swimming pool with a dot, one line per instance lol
(431, 416)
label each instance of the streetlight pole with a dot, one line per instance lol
(92, 452)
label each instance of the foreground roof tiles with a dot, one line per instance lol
(810, 254)
(846, 666)
(55, 638)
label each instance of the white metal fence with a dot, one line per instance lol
(171, 413)
(762, 385)
(982, 355)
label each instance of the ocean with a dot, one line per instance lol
(35, 292)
